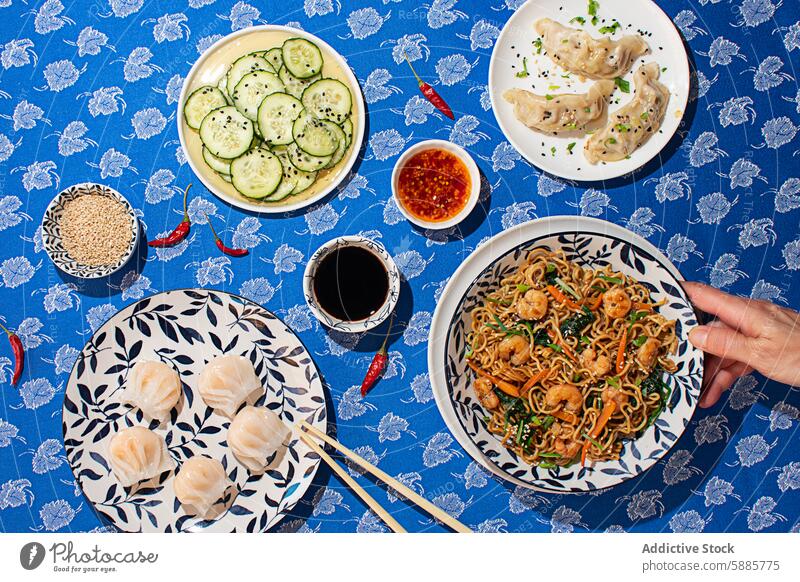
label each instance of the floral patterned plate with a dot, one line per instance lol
(185, 329)
(590, 243)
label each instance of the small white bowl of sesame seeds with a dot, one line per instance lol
(90, 231)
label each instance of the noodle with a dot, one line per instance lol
(545, 348)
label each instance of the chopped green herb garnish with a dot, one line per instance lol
(548, 422)
(524, 72)
(576, 378)
(614, 280)
(644, 116)
(579, 19)
(623, 85)
(553, 87)
(549, 97)
(522, 287)
(636, 316)
(571, 126)
(550, 455)
(611, 140)
(553, 151)
(593, 441)
(639, 341)
(613, 381)
(498, 301)
(587, 109)
(663, 69)
(547, 465)
(623, 127)
(566, 288)
(538, 45)
(486, 419)
(554, 347)
(570, 146)
(585, 340)
(592, 10)
(565, 76)
(610, 29)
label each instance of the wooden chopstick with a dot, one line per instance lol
(413, 496)
(365, 497)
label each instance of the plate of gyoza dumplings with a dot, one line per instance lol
(179, 415)
(589, 89)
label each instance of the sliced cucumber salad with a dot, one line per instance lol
(273, 124)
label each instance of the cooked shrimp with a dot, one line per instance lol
(532, 305)
(616, 303)
(597, 365)
(484, 389)
(515, 348)
(648, 352)
(567, 448)
(616, 394)
(567, 393)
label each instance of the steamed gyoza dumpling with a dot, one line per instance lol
(632, 124)
(153, 387)
(200, 483)
(576, 51)
(560, 113)
(226, 382)
(136, 454)
(256, 436)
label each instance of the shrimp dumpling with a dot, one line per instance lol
(153, 387)
(577, 52)
(136, 454)
(560, 113)
(226, 382)
(632, 124)
(256, 436)
(200, 483)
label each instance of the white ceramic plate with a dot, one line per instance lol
(516, 38)
(213, 64)
(589, 242)
(185, 329)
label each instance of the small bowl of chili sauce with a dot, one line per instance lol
(351, 284)
(436, 184)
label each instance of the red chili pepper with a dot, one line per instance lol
(221, 245)
(378, 363)
(430, 93)
(181, 231)
(19, 354)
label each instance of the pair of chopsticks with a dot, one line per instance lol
(305, 431)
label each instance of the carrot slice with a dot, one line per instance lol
(596, 305)
(559, 296)
(602, 421)
(534, 380)
(621, 351)
(565, 416)
(506, 387)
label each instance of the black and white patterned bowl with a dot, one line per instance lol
(381, 313)
(51, 232)
(590, 243)
(185, 329)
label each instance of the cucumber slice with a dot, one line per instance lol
(306, 162)
(314, 136)
(347, 128)
(304, 181)
(226, 177)
(289, 179)
(342, 147)
(328, 99)
(242, 66)
(251, 90)
(295, 86)
(257, 173)
(274, 57)
(222, 85)
(200, 103)
(276, 114)
(219, 165)
(263, 55)
(301, 57)
(226, 132)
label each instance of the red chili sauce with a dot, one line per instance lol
(434, 185)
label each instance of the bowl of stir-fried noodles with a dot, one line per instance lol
(559, 355)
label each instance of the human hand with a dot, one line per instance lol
(747, 335)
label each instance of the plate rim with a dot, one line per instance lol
(442, 317)
(357, 142)
(533, 160)
(279, 517)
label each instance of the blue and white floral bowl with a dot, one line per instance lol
(51, 232)
(590, 243)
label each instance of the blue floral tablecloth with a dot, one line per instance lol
(88, 92)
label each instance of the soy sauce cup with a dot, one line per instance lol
(351, 284)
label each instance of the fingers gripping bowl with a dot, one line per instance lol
(591, 245)
(271, 119)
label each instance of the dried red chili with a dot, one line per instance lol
(430, 93)
(18, 351)
(378, 364)
(181, 231)
(221, 245)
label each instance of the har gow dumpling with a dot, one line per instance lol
(256, 436)
(136, 454)
(226, 382)
(200, 483)
(596, 58)
(154, 388)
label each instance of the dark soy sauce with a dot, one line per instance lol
(351, 283)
